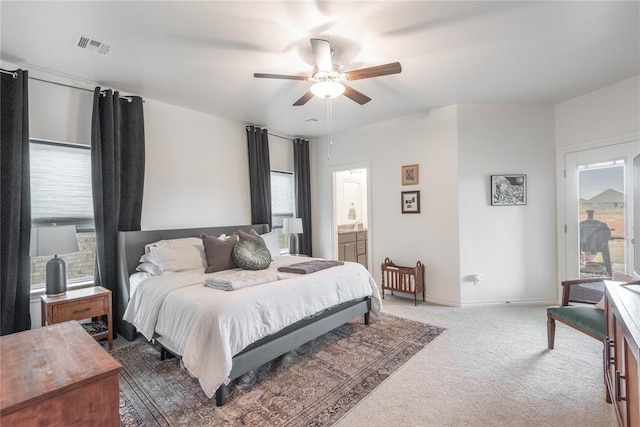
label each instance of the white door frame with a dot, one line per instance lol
(334, 224)
(561, 196)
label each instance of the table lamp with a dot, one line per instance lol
(292, 226)
(54, 240)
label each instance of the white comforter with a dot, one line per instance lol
(209, 326)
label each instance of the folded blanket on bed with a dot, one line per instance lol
(310, 266)
(233, 279)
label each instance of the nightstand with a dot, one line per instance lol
(79, 304)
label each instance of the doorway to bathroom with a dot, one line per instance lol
(351, 214)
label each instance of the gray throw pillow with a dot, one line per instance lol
(253, 235)
(219, 253)
(250, 254)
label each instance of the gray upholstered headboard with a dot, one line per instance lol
(131, 247)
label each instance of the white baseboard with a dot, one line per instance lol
(515, 302)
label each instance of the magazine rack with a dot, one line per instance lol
(408, 280)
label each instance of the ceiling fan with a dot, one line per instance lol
(330, 79)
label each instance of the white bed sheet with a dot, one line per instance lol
(209, 326)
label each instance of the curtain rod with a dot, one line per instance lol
(271, 133)
(15, 75)
(280, 136)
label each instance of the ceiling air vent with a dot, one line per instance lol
(85, 42)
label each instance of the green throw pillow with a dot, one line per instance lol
(251, 254)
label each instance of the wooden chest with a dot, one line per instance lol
(57, 375)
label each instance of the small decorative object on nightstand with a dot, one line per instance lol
(80, 304)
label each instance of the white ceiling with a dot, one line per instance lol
(202, 55)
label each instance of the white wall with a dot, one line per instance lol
(431, 236)
(280, 153)
(59, 113)
(514, 247)
(606, 113)
(196, 171)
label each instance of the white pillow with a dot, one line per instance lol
(183, 241)
(149, 268)
(271, 242)
(179, 257)
(148, 258)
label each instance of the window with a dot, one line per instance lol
(61, 194)
(282, 203)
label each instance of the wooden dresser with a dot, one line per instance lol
(57, 375)
(622, 351)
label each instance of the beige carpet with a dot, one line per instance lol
(491, 368)
(313, 385)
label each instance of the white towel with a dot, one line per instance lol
(232, 280)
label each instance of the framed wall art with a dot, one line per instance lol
(410, 174)
(410, 202)
(508, 190)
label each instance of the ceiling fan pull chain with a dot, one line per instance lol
(330, 125)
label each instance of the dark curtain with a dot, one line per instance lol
(117, 172)
(302, 173)
(259, 175)
(15, 203)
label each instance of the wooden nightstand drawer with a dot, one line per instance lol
(78, 310)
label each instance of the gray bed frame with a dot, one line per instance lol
(131, 247)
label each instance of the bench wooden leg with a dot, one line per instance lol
(551, 332)
(367, 317)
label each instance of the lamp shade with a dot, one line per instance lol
(292, 226)
(327, 89)
(60, 239)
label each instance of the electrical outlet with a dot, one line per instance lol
(477, 278)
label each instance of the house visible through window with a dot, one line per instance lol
(282, 203)
(61, 194)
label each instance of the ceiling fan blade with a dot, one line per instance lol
(379, 70)
(322, 52)
(356, 96)
(279, 76)
(305, 98)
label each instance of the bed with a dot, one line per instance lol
(194, 322)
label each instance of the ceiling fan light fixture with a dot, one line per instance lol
(327, 89)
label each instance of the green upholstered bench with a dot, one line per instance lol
(586, 317)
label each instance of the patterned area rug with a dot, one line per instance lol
(314, 385)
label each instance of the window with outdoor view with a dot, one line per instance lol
(61, 194)
(282, 203)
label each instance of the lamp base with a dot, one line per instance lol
(293, 244)
(56, 277)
